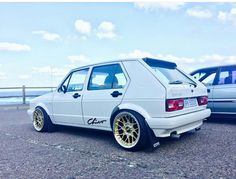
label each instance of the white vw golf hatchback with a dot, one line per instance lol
(138, 99)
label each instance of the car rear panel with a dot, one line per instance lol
(187, 92)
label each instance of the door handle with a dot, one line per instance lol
(116, 94)
(208, 90)
(76, 95)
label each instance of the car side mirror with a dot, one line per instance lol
(63, 88)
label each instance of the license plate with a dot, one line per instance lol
(190, 103)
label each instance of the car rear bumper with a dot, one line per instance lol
(163, 127)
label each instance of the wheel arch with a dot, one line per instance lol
(128, 106)
(41, 105)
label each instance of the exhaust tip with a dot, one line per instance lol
(175, 135)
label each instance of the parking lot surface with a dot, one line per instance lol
(81, 153)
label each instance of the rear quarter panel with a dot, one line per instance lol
(144, 90)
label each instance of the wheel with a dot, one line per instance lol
(130, 130)
(41, 120)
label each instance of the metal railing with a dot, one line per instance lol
(23, 92)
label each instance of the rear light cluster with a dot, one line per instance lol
(174, 104)
(202, 100)
(178, 104)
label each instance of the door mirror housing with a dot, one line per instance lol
(63, 88)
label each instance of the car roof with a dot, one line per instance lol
(121, 60)
(213, 67)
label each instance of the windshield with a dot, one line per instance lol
(169, 71)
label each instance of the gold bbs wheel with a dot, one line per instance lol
(126, 130)
(38, 120)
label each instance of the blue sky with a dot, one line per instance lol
(41, 42)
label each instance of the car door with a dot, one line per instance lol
(224, 94)
(105, 90)
(67, 99)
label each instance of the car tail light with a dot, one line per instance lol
(202, 100)
(174, 104)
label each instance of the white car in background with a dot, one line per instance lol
(138, 99)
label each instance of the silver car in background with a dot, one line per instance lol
(221, 87)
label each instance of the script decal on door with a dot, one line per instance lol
(95, 121)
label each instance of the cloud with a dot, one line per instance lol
(187, 63)
(7, 46)
(54, 71)
(80, 59)
(228, 16)
(83, 27)
(106, 30)
(75, 61)
(47, 35)
(159, 5)
(24, 76)
(199, 13)
(140, 54)
(216, 59)
(136, 54)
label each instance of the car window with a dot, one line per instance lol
(199, 75)
(208, 79)
(107, 77)
(65, 83)
(168, 70)
(120, 80)
(206, 76)
(227, 76)
(77, 79)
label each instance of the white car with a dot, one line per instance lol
(138, 99)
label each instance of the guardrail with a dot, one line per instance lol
(23, 91)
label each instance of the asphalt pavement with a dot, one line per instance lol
(71, 152)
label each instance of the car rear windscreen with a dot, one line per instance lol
(169, 71)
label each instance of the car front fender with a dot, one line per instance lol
(42, 105)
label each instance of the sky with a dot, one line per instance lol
(41, 42)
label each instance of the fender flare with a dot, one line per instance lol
(129, 106)
(44, 107)
(153, 141)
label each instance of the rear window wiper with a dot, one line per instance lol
(181, 82)
(191, 83)
(176, 82)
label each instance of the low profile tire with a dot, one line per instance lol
(130, 130)
(41, 120)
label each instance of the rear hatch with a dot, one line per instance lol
(190, 95)
(179, 86)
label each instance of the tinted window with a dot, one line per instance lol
(227, 76)
(199, 75)
(120, 79)
(107, 77)
(168, 70)
(206, 76)
(209, 79)
(77, 79)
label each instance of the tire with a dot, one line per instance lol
(41, 121)
(130, 130)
